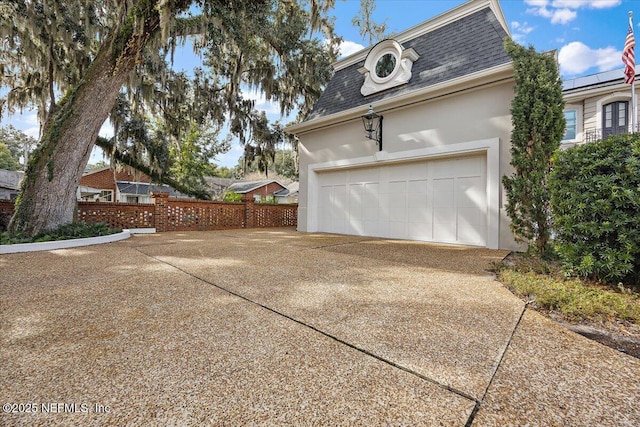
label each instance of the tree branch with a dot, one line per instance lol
(107, 146)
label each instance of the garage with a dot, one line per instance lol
(441, 200)
(433, 172)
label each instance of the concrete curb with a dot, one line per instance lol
(63, 244)
(142, 230)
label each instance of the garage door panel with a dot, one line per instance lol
(420, 231)
(443, 193)
(397, 201)
(471, 192)
(370, 202)
(364, 175)
(440, 200)
(417, 186)
(354, 224)
(444, 225)
(408, 171)
(356, 195)
(419, 209)
(372, 228)
(457, 167)
(334, 178)
(325, 215)
(340, 209)
(397, 230)
(471, 228)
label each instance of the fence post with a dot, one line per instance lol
(249, 210)
(161, 210)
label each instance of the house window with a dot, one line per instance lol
(388, 65)
(615, 118)
(570, 117)
(132, 199)
(385, 65)
(257, 198)
(106, 196)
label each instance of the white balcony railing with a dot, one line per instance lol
(593, 135)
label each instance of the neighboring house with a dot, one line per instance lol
(444, 88)
(260, 190)
(597, 106)
(288, 194)
(125, 186)
(10, 184)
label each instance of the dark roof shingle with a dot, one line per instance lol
(470, 44)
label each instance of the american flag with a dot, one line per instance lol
(629, 57)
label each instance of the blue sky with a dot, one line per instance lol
(588, 35)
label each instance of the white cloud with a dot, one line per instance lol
(522, 27)
(591, 4)
(31, 119)
(347, 48)
(260, 101)
(33, 131)
(519, 30)
(563, 16)
(565, 11)
(537, 3)
(574, 4)
(557, 16)
(106, 131)
(541, 11)
(576, 58)
(230, 158)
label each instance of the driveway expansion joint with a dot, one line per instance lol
(332, 337)
(476, 409)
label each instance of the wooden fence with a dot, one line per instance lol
(171, 214)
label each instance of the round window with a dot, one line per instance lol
(385, 65)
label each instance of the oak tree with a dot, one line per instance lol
(97, 52)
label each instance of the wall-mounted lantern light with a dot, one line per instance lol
(373, 126)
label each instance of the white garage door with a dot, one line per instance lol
(439, 200)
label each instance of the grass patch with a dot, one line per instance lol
(76, 230)
(541, 283)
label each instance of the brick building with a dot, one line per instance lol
(260, 190)
(125, 185)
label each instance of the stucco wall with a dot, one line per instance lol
(468, 116)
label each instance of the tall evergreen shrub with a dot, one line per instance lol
(595, 198)
(538, 127)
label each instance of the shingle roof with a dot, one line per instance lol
(144, 189)
(10, 179)
(291, 189)
(247, 186)
(470, 44)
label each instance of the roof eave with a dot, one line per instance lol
(480, 78)
(581, 93)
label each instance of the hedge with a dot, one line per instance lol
(595, 200)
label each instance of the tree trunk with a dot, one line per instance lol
(48, 192)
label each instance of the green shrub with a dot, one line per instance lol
(269, 199)
(76, 230)
(231, 196)
(595, 199)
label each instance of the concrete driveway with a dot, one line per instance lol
(275, 327)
